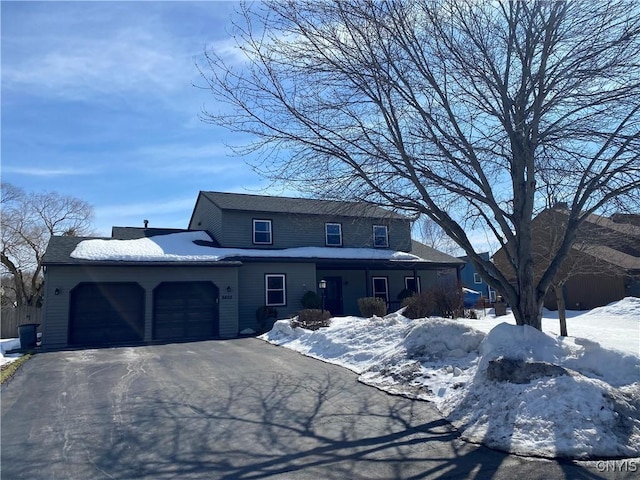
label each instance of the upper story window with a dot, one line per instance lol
(262, 233)
(333, 234)
(476, 278)
(380, 236)
(275, 290)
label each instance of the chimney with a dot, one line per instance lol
(146, 223)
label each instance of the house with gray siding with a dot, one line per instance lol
(239, 253)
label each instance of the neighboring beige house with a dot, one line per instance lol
(603, 265)
(239, 253)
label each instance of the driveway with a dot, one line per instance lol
(236, 409)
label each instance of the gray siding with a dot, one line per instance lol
(207, 216)
(65, 278)
(356, 284)
(300, 277)
(291, 231)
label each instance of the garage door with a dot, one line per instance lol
(106, 313)
(185, 311)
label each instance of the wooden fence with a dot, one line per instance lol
(11, 318)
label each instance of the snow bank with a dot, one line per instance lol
(574, 415)
(7, 345)
(351, 342)
(439, 339)
(590, 410)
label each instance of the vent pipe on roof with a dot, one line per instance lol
(146, 223)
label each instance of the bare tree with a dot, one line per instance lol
(467, 112)
(28, 222)
(432, 235)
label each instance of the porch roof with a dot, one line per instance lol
(197, 248)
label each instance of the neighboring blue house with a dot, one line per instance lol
(472, 280)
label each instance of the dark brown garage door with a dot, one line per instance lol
(106, 313)
(185, 311)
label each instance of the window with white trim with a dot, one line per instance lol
(380, 236)
(275, 290)
(262, 232)
(476, 278)
(412, 283)
(380, 288)
(333, 234)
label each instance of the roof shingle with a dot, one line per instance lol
(305, 206)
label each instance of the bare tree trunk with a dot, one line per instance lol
(528, 309)
(562, 309)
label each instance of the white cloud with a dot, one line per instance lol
(227, 49)
(47, 172)
(176, 151)
(79, 50)
(126, 62)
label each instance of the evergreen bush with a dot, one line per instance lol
(370, 306)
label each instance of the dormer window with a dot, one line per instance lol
(380, 236)
(333, 234)
(262, 232)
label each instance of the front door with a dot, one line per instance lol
(333, 295)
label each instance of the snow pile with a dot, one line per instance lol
(180, 247)
(336, 344)
(583, 402)
(6, 345)
(582, 413)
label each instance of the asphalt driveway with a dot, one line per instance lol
(236, 409)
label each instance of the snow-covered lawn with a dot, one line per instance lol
(591, 411)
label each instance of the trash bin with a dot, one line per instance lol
(500, 307)
(28, 335)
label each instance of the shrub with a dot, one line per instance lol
(420, 306)
(311, 300)
(312, 319)
(265, 313)
(442, 301)
(370, 306)
(449, 301)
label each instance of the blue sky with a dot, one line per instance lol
(98, 102)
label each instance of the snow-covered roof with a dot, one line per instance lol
(192, 247)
